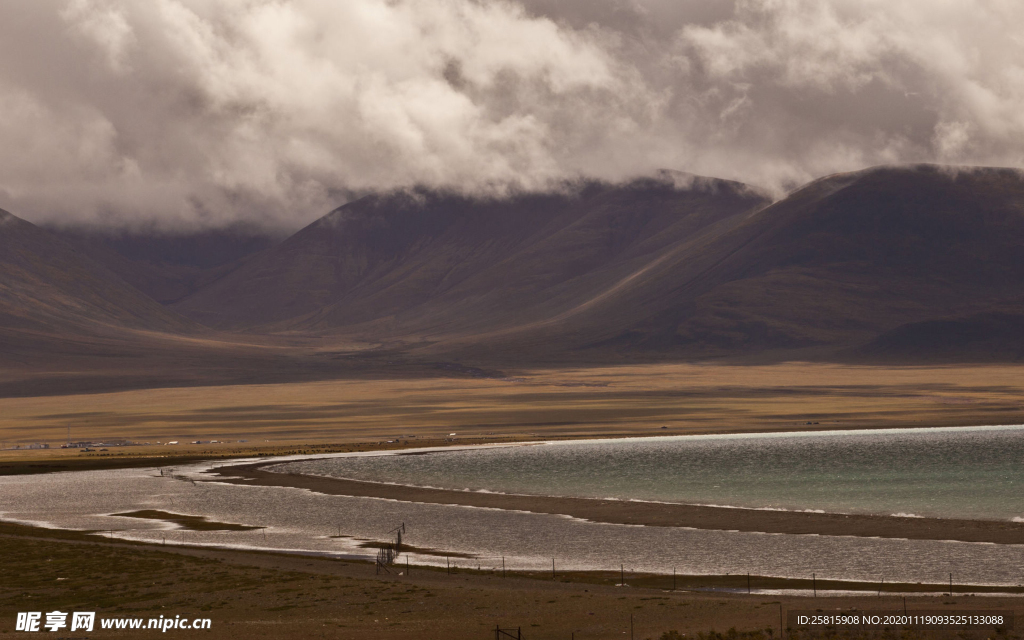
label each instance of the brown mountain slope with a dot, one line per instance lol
(649, 270)
(992, 335)
(50, 287)
(427, 263)
(69, 325)
(168, 266)
(834, 265)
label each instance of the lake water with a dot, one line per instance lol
(969, 472)
(299, 520)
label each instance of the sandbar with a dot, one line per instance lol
(656, 514)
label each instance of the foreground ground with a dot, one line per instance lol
(263, 595)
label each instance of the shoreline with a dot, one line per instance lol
(646, 513)
(718, 585)
(251, 594)
(43, 461)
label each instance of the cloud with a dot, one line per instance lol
(105, 25)
(893, 81)
(203, 112)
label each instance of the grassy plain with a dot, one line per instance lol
(553, 403)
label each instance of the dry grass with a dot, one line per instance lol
(602, 402)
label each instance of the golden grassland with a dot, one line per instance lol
(571, 403)
(267, 595)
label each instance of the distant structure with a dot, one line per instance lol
(87, 444)
(388, 553)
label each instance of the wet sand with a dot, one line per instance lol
(650, 514)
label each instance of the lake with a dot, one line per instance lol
(940, 472)
(968, 472)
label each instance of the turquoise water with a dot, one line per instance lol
(964, 472)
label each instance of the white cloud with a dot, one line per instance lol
(205, 111)
(105, 25)
(959, 65)
(951, 140)
(280, 104)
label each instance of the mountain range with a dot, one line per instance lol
(907, 264)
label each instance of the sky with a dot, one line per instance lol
(185, 114)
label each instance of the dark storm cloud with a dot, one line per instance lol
(193, 112)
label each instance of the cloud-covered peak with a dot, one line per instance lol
(200, 112)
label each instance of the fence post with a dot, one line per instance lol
(502, 566)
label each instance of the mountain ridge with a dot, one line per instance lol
(384, 256)
(50, 285)
(892, 264)
(648, 269)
